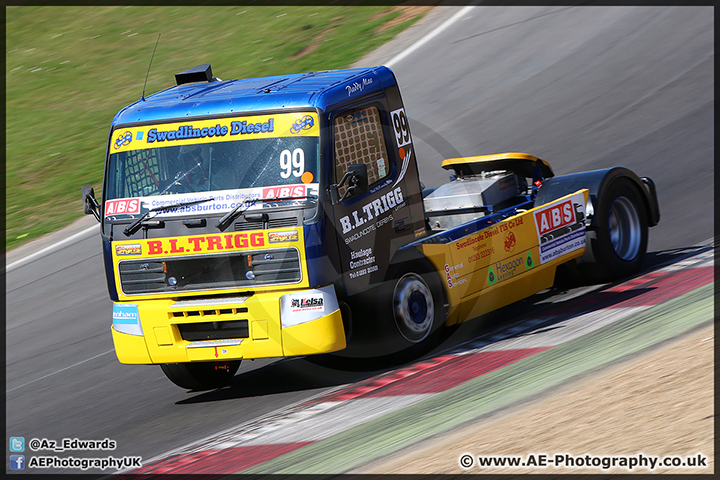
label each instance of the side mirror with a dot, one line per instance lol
(90, 204)
(357, 178)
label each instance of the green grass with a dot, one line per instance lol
(70, 69)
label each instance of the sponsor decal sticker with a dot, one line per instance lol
(288, 191)
(529, 262)
(452, 276)
(382, 171)
(125, 314)
(304, 123)
(122, 205)
(506, 269)
(358, 86)
(215, 130)
(361, 258)
(134, 249)
(561, 227)
(123, 139)
(554, 217)
(310, 303)
(222, 200)
(491, 278)
(510, 242)
(280, 237)
(393, 199)
(364, 260)
(204, 243)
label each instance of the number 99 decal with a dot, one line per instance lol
(400, 126)
(292, 163)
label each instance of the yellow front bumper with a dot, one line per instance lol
(159, 339)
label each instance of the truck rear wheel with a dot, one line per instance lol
(620, 236)
(201, 375)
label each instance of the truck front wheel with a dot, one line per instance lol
(413, 307)
(202, 375)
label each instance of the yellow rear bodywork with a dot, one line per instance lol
(488, 269)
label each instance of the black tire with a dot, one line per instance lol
(201, 375)
(381, 334)
(413, 312)
(617, 245)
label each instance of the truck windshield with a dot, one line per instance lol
(266, 156)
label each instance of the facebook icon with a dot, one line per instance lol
(17, 462)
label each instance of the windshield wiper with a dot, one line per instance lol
(133, 227)
(237, 211)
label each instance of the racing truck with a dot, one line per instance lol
(284, 216)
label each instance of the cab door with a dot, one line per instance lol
(371, 226)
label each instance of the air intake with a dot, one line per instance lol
(201, 73)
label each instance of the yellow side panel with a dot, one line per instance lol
(323, 335)
(506, 293)
(503, 263)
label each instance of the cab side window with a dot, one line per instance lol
(359, 139)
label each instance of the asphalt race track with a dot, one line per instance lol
(583, 88)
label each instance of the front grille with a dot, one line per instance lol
(214, 330)
(211, 272)
(208, 313)
(142, 276)
(271, 223)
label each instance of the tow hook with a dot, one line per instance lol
(222, 366)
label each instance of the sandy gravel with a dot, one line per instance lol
(660, 404)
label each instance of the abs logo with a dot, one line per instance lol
(123, 139)
(305, 123)
(123, 205)
(554, 217)
(291, 191)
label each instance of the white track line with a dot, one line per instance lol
(429, 36)
(58, 371)
(52, 247)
